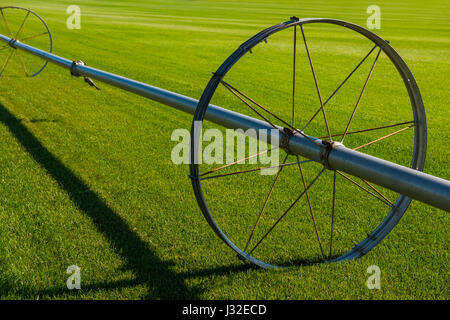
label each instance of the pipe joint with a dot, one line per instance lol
(325, 152)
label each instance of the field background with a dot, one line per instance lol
(86, 177)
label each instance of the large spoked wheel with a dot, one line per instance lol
(26, 26)
(305, 212)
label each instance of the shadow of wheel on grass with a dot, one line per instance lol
(150, 270)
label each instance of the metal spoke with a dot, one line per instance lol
(339, 87)
(317, 85)
(361, 187)
(360, 96)
(293, 77)
(33, 37)
(6, 24)
(238, 161)
(22, 63)
(265, 204)
(378, 192)
(310, 208)
(332, 215)
(286, 212)
(253, 170)
(238, 94)
(22, 25)
(7, 61)
(370, 129)
(16, 37)
(384, 137)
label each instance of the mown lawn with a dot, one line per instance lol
(87, 178)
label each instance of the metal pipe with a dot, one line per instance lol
(227, 118)
(409, 182)
(412, 183)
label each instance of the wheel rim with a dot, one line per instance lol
(28, 27)
(419, 146)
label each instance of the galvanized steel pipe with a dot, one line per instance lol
(409, 182)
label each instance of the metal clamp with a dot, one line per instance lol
(325, 152)
(75, 64)
(11, 43)
(284, 142)
(73, 72)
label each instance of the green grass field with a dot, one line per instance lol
(87, 178)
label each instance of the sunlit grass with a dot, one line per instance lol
(87, 179)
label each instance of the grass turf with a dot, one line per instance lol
(87, 178)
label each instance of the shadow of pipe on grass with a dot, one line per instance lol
(11, 291)
(42, 120)
(148, 268)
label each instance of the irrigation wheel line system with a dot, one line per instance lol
(409, 182)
